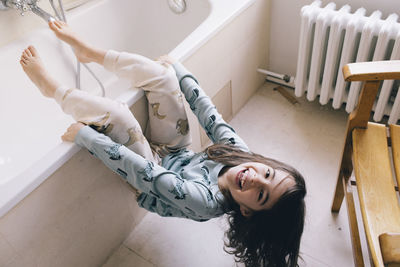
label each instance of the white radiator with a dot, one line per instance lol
(331, 38)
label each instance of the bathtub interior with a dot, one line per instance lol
(32, 124)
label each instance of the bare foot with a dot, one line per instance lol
(83, 51)
(34, 68)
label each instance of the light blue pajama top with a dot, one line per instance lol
(186, 185)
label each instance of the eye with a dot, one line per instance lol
(267, 173)
(260, 195)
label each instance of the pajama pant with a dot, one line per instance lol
(167, 129)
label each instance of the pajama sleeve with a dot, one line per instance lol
(201, 105)
(175, 194)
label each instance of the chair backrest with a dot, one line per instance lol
(372, 73)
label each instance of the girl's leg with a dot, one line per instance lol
(84, 52)
(105, 115)
(168, 129)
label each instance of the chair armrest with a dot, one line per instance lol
(390, 247)
(372, 71)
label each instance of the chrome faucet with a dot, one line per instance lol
(16, 4)
(27, 5)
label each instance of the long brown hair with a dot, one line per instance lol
(269, 237)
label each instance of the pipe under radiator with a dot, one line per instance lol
(282, 79)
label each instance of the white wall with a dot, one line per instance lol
(285, 27)
(233, 55)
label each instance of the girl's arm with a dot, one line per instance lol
(201, 105)
(167, 190)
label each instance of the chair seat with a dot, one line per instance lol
(395, 136)
(375, 183)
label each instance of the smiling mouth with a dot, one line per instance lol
(241, 178)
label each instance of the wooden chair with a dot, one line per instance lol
(366, 150)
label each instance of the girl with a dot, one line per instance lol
(264, 198)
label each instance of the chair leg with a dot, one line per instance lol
(355, 234)
(339, 194)
(346, 167)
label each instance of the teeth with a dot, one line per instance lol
(243, 174)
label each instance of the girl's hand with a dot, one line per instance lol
(72, 131)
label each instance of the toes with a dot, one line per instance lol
(33, 51)
(25, 55)
(62, 23)
(58, 24)
(55, 25)
(52, 25)
(27, 52)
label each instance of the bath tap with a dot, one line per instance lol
(24, 6)
(41, 13)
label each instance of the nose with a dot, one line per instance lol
(257, 180)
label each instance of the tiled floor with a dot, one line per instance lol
(306, 135)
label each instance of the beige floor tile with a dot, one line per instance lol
(309, 261)
(20, 261)
(306, 135)
(179, 242)
(125, 257)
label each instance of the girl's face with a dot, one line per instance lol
(255, 186)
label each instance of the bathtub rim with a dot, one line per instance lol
(20, 186)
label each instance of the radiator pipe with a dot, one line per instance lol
(282, 79)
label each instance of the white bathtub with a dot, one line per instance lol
(30, 145)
